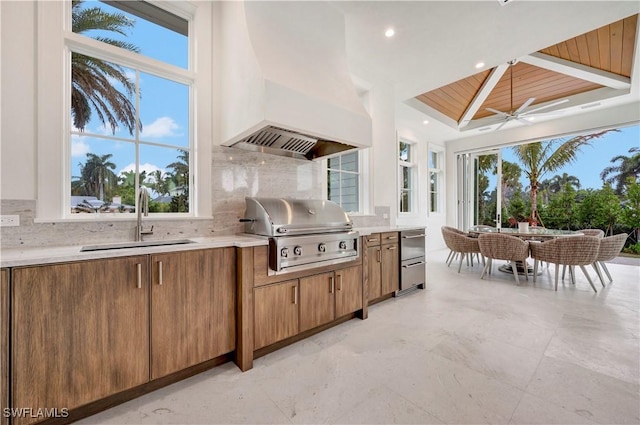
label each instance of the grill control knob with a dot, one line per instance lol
(297, 250)
(284, 252)
(342, 245)
(322, 247)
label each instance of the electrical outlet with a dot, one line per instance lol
(9, 220)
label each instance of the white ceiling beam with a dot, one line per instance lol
(583, 72)
(431, 112)
(484, 92)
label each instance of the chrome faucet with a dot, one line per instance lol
(143, 208)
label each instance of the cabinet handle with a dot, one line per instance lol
(295, 294)
(372, 240)
(392, 237)
(379, 255)
(392, 247)
(139, 266)
(339, 282)
(331, 287)
(159, 272)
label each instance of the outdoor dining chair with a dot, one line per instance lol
(460, 243)
(609, 249)
(598, 233)
(569, 251)
(499, 246)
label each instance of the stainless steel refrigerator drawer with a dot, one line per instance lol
(412, 244)
(412, 273)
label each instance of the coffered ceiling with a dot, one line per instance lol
(594, 60)
(581, 50)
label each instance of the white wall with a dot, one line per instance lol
(18, 106)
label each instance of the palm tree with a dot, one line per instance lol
(629, 166)
(540, 158)
(95, 174)
(558, 182)
(91, 78)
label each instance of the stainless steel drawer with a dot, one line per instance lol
(412, 273)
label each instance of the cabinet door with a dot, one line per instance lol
(79, 332)
(317, 301)
(348, 290)
(4, 344)
(276, 313)
(224, 301)
(390, 268)
(181, 309)
(374, 259)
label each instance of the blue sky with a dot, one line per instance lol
(595, 158)
(164, 105)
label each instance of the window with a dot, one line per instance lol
(343, 181)
(406, 172)
(130, 102)
(435, 181)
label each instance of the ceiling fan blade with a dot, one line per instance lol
(551, 105)
(500, 126)
(524, 120)
(525, 105)
(495, 111)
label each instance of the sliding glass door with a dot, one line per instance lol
(479, 189)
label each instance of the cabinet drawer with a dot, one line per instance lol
(373, 239)
(389, 237)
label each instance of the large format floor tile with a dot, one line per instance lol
(463, 351)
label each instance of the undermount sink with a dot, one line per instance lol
(137, 244)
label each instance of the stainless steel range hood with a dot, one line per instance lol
(286, 87)
(279, 141)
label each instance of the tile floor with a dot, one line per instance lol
(463, 351)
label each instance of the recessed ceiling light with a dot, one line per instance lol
(479, 65)
(389, 32)
(425, 122)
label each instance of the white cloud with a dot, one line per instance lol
(162, 127)
(79, 147)
(149, 168)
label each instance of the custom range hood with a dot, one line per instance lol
(286, 87)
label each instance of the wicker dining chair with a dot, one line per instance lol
(568, 251)
(499, 246)
(598, 233)
(609, 249)
(459, 242)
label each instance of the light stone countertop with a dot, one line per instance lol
(366, 231)
(48, 255)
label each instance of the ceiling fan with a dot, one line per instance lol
(522, 113)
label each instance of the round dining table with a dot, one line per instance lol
(539, 234)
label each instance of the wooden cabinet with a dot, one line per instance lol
(4, 344)
(348, 290)
(192, 308)
(390, 268)
(79, 332)
(276, 313)
(374, 267)
(317, 300)
(328, 296)
(383, 264)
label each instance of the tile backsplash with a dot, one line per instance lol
(236, 174)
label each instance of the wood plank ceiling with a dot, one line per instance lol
(609, 48)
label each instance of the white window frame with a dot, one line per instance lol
(439, 170)
(364, 195)
(55, 39)
(412, 165)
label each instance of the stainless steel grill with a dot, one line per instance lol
(303, 233)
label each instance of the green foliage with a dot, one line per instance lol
(560, 213)
(633, 249)
(630, 214)
(599, 209)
